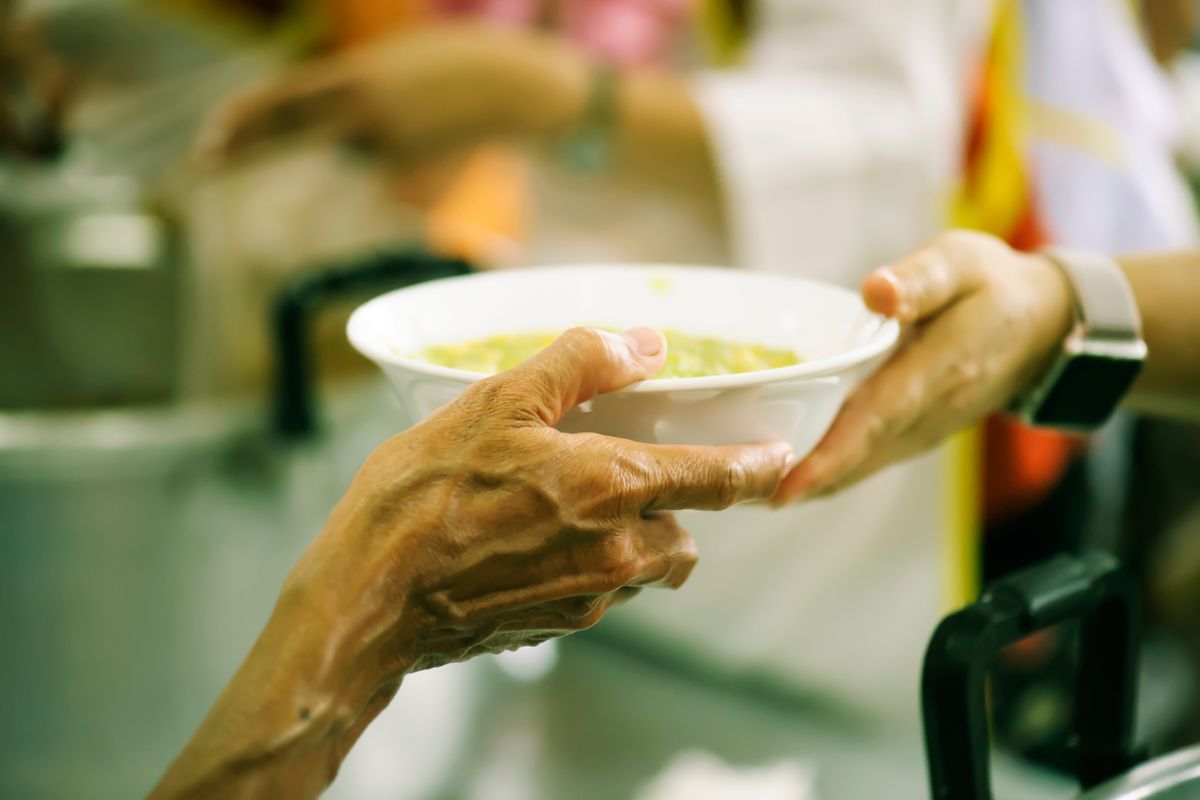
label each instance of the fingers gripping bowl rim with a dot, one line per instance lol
(879, 333)
(837, 338)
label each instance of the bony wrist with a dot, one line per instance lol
(334, 666)
(362, 633)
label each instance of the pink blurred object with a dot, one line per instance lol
(625, 31)
(619, 31)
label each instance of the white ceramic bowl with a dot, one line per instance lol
(839, 340)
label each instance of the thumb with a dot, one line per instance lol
(583, 363)
(930, 280)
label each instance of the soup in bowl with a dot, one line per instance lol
(687, 356)
(756, 356)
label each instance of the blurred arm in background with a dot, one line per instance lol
(986, 320)
(424, 92)
(840, 109)
(480, 530)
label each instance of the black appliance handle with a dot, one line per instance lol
(1091, 588)
(293, 392)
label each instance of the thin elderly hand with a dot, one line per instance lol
(482, 529)
(981, 322)
(526, 532)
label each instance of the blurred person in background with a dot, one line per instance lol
(828, 140)
(829, 148)
(827, 143)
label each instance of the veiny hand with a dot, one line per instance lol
(495, 530)
(412, 95)
(480, 530)
(981, 321)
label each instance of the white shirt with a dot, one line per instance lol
(836, 144)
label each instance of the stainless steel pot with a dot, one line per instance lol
(89, 294)
(139, 552)
(1093, 590)
(141, 549)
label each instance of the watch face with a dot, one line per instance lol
(1087, 390)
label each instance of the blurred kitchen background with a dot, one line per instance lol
(179, 408)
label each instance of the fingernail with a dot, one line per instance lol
(900, 308)
(803, 480)
(644, 341)
(784, 499)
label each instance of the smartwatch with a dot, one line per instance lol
(1101, 356)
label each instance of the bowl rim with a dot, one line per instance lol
(883, 338)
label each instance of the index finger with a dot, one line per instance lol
(712, 478)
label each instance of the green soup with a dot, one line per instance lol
(687, 356)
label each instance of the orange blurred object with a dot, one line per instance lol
(484, 214)
(480, 213)
(356, 21)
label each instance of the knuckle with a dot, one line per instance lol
(633, 471)
(876, 428)
(908, 400)
(964, 386)
(617, 481)
(486, 393)
(618, 562)
(505, 396)
(622, 574)
(589, 344)
(912, 399)
(689, 551)
(731, 477)
(681, 564)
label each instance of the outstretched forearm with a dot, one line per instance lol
(309, 687)
(480, 530)
(1167, 289)
(662, 134)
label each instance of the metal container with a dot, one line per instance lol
(142, 548)
(90, 292)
